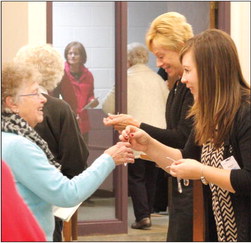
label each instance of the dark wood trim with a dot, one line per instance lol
(101, 227)
(121, 56)
(49, 25)
(224, 16)
(198, 212)
(121, 193)
(213, 14)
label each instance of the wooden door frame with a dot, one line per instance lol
(119, 224)
(224, 16)
(220, 15)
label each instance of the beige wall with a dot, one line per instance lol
(22, 23)
(25, 23)
(240, 32)
(37, 22)
(15, 29)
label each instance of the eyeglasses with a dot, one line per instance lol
(36, 95)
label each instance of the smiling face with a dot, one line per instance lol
(30, 103)
(190, 75)
(168, 60)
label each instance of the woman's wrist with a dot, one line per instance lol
(150, 145)
(202, 175)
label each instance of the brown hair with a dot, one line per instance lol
(221, 85)
(76, 45)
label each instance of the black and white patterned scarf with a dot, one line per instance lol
(12, 122)
(221, 200)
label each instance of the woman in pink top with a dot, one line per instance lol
(77, 85)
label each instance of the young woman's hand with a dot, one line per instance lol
(138, 138)
(186, 169)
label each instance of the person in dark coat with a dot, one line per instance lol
(165, 38)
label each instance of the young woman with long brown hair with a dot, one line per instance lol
(218, 149)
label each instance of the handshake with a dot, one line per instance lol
(128, 128)
(121, 152)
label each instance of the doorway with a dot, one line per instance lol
(105, 28)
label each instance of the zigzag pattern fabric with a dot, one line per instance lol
(221, 200)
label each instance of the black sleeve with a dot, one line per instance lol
(177, 136)
(60, 130)
(73, 151)
(241, 179)
(191, 150)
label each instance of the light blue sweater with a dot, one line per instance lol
(42, 185)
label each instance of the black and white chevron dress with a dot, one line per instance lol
(221, 200)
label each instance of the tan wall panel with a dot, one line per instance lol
(240, 32)
(14, 28)
(23, 23)
(37, 22)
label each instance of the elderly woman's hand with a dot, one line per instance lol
(186, 169)
(121, 153)
(138, 138)
(120, 121)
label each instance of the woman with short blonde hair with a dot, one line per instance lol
(166, 36)
(169, 30)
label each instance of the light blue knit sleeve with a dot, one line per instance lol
(33, 172)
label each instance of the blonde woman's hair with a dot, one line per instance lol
(47, 60)
(137, 54)
(169, 30)
(15, 76)
(221, 85)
